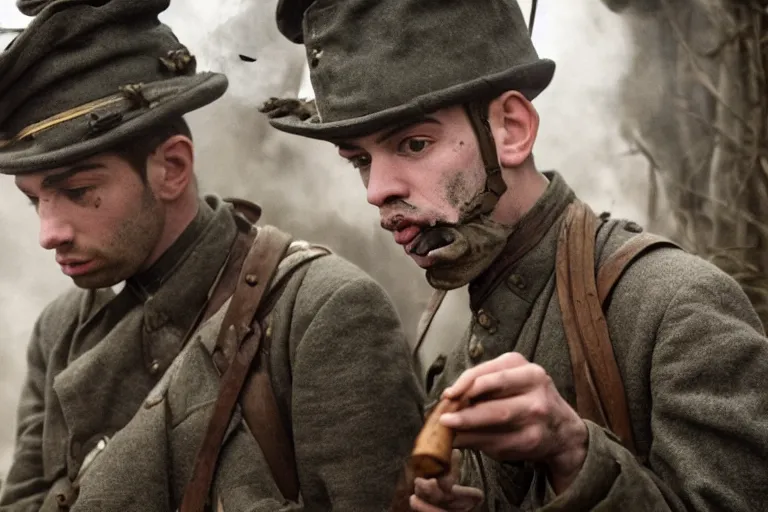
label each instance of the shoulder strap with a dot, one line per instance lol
(609, 272)
(599, 389)
(259, 402)
(600, 395)
(238, 340)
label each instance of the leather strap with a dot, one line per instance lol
(610, 272)
(262, 415)
(239, 341)
(477, 112)
(600, 395)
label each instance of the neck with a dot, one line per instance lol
(525, 185)
(150, 279)
(178, 217)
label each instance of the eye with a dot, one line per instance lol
(414, 145)
(75, 194)
(360, 161)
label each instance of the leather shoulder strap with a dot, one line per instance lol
(259, 402)
(238, 340)
(609, 272)
(600, 395)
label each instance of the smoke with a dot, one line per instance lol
(304, 186)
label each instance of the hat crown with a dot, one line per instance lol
(85, 73)
(76, 51)
(367, 56)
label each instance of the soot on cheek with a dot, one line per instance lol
(456, 189)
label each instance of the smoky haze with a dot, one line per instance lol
(303, 185)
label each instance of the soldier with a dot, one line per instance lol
(665, 409)
(130, 397)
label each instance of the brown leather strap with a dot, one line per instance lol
(477, 112)
(239, 340)
(262, 415)
(614, 267)
(600, 395)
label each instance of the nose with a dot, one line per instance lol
(385, 183)
(54, 230)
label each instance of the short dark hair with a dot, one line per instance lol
(136, 150)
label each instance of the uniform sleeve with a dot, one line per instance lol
(356, 403)
(25, 487)
(709, 418)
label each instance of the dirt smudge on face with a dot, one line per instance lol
(456, 189)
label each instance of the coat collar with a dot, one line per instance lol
(528, 258)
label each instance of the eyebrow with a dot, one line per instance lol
(391, 132)
(52, 180)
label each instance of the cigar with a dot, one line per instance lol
(431, 455)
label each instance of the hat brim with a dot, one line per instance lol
(170, 98)
(530, 79)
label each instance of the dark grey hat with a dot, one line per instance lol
(374, 63)
(86, 75)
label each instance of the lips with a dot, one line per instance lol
(70, 262)
(405, 235)
(71, 267)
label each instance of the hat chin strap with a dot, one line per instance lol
(485, 201)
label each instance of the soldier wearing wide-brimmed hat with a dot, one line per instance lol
(117, 411)
(637, 388)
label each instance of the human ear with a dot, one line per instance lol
(514, 123)
(172, 167)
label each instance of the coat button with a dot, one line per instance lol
(486, 321)
(154, 367)
(633, 227)
(475, 349)
(517, 281)
(315, 57)
(483, 319)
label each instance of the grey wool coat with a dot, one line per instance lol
(693, 358)
(114, 368)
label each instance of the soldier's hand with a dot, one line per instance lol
(443, 494)
(516, 413)
(439, 495)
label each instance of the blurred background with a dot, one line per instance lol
(304, 186)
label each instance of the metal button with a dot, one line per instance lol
(315, 57)
(483, 319)
(486, 321)
(154, 367)
(517, 281)
(633, 227)
(475, 349)
(252, 279)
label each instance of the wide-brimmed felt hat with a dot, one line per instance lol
(85, 76)
(375, 63)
